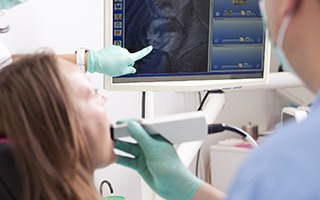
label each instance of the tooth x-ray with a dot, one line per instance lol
(207, 42)
(177, 29)
(192, 37)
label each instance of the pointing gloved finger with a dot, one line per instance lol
(142, 53)
(129, 70)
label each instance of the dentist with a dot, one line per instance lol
(111, 60)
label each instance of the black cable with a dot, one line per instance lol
(109, 186)
(217, 128)
(203, 101)
(280, 68)
(237, 130)
(143, 104)
(200, 108)
(206, 96)
(197, 162)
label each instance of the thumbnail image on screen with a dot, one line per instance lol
(191, 38)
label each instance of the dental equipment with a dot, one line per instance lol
(180, 128)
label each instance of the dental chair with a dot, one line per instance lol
(10, 186)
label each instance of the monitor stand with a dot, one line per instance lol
(186, 151)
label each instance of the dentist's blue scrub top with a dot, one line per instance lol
(286, 167)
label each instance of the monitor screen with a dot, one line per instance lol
(197, 44)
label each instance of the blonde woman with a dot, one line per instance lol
(55, 126)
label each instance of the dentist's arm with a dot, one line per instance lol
(158, 163)
(208, 192)
(68, 57)
(111, 60)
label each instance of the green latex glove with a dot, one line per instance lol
(114, 60)
(158, 163)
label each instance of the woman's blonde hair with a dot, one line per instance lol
(49, 147)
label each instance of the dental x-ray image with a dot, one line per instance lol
(178, 30)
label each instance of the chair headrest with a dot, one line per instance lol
(10, 185)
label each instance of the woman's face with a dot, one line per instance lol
(91, 112)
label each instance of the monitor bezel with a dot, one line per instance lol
(185, 85)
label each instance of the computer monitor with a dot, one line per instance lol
(198, 44)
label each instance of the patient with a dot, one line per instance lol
(56, 126)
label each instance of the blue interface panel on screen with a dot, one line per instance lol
(198, 45)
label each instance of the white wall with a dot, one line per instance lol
(61, 25)
(65, 25)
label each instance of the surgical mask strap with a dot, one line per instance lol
(283, 29)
